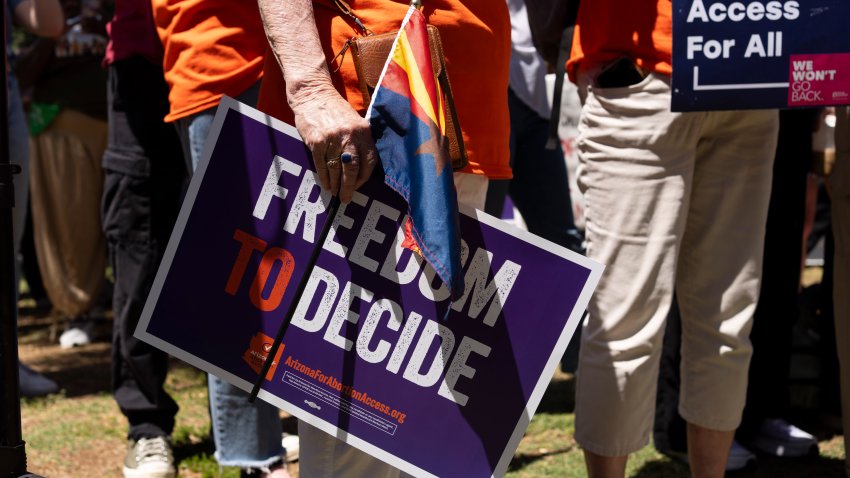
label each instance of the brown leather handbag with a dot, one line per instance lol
(370, 53)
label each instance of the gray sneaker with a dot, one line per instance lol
(149, 458)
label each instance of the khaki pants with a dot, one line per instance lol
(673, 201)
(66, 184)
(840, 182)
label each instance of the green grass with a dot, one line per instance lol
(73, 418)
(81, 432)
(63, 433)
(206, 467)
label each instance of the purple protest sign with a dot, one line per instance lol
(376, 353)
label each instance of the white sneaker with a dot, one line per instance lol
(34, 384)
(739, 457)
(78, 333)
(780, 438)
(290, 447)
(149, 458)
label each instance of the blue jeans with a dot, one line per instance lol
(247, 435)
(193, 131)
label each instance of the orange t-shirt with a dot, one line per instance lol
(476, 38)
(212, 48)
(609, 29)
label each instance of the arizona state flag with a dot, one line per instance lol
(408, 123)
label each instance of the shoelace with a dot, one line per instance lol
(151, 449)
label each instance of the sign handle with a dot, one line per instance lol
(332, 209)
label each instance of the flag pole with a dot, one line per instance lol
(332, 209)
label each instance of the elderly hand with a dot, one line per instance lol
(340, 140)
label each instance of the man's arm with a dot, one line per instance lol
(41, 17)
(326, 122)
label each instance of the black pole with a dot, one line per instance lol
(333, 207)
(13, 458)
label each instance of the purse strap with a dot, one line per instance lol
(346, 10)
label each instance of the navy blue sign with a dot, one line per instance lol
(760, 54)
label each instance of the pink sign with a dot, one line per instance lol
(819, 80)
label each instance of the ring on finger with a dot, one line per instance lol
(346, 157)
(332, 162)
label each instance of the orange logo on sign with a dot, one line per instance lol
(257, 352)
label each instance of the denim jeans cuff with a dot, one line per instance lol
(249, 464)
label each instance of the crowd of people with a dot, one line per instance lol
(698, 217)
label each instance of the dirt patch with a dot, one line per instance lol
(79, 371)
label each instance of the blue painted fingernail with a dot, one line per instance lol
(346, 157)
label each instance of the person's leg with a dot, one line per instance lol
(669, 432)
(246, 435)
(707, 451)
(776, 312)
(540, 188)
(143, 182)
(829, 405)
(31, 382)
(66, 187)
(718, 277)
(840, 180)
(324, 456)
(600, 466)
(636, 194)
(29, 269)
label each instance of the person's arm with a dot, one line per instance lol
(329, 126)
(41, 17)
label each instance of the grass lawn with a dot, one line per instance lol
(80, 432)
